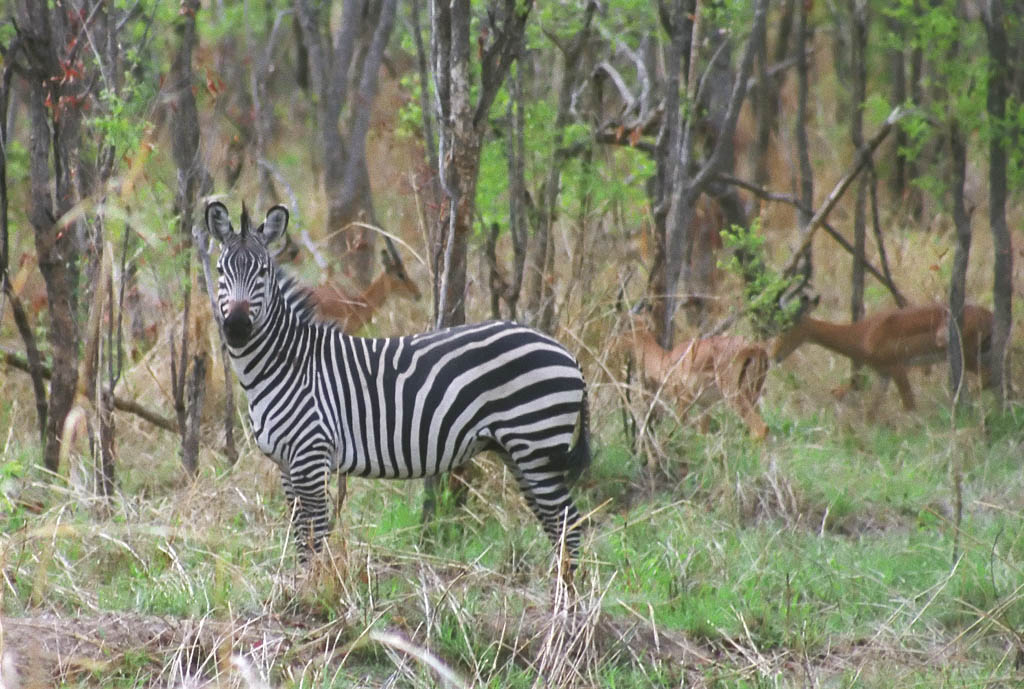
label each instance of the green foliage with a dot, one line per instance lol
(122, 118)
(221, 23)
(17, 165)
(956, 85)
(1010, 130)
(762, 285)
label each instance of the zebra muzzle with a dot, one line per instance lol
(238, 325)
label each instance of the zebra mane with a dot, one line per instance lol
(298, 297)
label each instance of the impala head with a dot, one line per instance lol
(246, 270)
(395, 270)
(805, 301)
(632, 327)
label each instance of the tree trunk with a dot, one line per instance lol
(353, 200)
(462, 125)
(805, 184)
(1002, 138)
(346, 179)
(461, 129)
(263, 111)
(193, 181)
(898, 72)
(768, 111)
(804, 181)
(914, 197)
(105, 477)
(958, 279)
(56, 119)
(859, 22)
(677, 22)
(685, 186)
(21, 319)
(190, 438)
(461, 154)
(508, 290)
(539, 309)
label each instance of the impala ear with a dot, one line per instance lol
(218, 222)
(274, 226)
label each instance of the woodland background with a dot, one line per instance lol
(552, 162)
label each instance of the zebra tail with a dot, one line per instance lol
(577, 459)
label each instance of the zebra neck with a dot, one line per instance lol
(282, 339)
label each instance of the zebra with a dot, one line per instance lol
(403, 407)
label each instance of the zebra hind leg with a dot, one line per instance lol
(548, 496)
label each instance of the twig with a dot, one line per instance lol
(200, 241)
(15, 360)
(421, 654)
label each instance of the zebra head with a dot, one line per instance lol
(246, 270)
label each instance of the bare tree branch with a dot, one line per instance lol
(882, 276)
(863, 157)
(17, 361)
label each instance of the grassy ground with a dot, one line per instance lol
(830, 555)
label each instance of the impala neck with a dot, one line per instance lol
(839, 337)
(376, 294)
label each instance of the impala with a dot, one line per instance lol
(353, 311)
(892, 341)
(704, 370)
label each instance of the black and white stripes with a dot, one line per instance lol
(402, 407)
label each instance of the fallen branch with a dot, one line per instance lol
(15, 360)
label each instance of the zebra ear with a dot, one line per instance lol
(274, 226)
(218, 222)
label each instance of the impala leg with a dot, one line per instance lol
(751, 382)
(903, 386)
(748, 412)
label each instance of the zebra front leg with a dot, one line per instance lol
(290, 500)
(430, 484)
(309, 477)
(458, 489)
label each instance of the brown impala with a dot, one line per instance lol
(703, 370)
(352, 311)
(892, 341)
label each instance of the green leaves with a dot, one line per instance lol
(762, 285)
(122, 120)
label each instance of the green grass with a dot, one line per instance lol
(726, 563)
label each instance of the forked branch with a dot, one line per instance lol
(863, 158)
